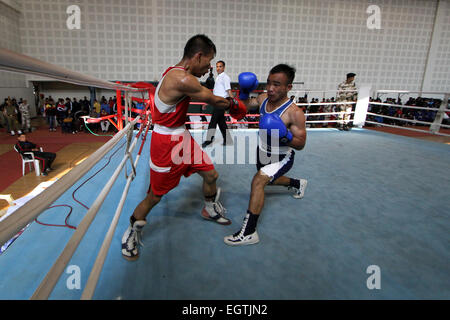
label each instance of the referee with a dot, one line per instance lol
(222, 88)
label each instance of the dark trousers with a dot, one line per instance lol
(218, 118)
(46, 158)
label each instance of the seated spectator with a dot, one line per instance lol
(67, 125)
(47, 158)
(97, 106)
(104, 124)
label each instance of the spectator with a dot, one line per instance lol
(24, 108)
(47, 158)
(97, 106)
(50, 113)
(3, 119)
(104, 124)
(10, 113)
(61, 112)
(76, 106)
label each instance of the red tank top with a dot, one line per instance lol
(170, 115)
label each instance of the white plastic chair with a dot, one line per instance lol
(28, 157)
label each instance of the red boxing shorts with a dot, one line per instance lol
(174, 153)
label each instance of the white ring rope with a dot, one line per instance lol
(327, 113)
(96, 270)
(403, 106)
(52, 277)
(406, 92)
(16, 62)
(319, 91)
(325, 103)
(407, 128)
(11, 225)
(402, 119)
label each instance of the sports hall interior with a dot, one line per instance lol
(399, 49)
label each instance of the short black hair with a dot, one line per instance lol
(198, 43)
(221, 61)
(287, 70)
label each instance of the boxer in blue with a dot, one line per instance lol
(281, 129)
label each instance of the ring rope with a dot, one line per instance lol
(96, 270)
(401, 119)
(11, 225)
(404, 106)
(48, 283)
(406, 128)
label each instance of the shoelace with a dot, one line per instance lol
(219, 209)
(295, 189)
(240, 233)
(135, 236)
(139, 238)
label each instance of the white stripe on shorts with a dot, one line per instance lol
(271, 170)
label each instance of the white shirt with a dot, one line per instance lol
(221, 85)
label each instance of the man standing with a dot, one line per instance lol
(24, 108)
(10, 113)
(222, 88)
(346, 93)
(173, 151)
(281, 129)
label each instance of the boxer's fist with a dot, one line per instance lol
(238, 109)
(275, 127)
(247, 83)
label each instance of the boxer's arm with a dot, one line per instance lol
(254, 102)
(297, 128)
(190, 86)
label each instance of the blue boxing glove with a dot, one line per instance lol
(247, 83)
(275, 127)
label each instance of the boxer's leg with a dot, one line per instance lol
(132, 237)
(298, 185)
(248, 234)
(259, 182)
(146, 205)
(213, 209)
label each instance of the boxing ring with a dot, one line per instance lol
(373, 199)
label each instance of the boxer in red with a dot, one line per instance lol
(173, 151)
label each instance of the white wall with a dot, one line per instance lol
(135, 40)
(12, 84)
(63, 90)
(437, 76)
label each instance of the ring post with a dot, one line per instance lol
(436, 125)
(361, 106)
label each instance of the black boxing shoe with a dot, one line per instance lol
(243, 236)
(131, 239)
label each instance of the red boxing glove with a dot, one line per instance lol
(238, 109)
